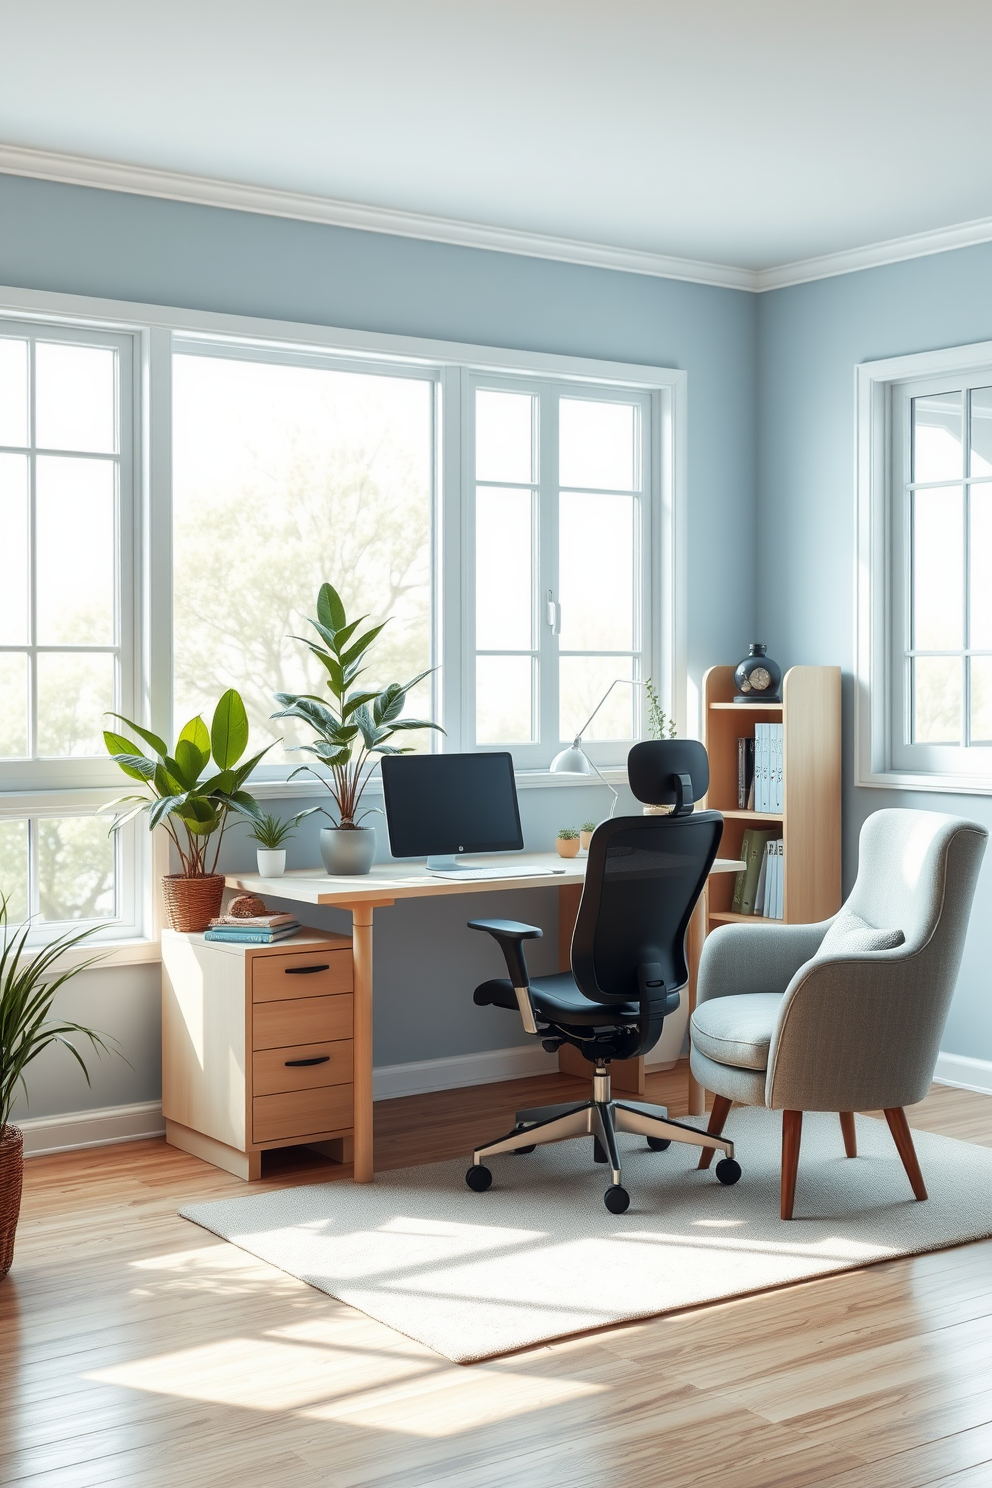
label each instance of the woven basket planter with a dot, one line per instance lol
(11, 1174)
(191, 903)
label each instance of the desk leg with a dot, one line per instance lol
(694, 946)
(361, 930)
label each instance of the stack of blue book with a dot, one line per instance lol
(257, 930)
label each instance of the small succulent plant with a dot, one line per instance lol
(588, 826)
(567, 834)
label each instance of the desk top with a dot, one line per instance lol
(390, 881)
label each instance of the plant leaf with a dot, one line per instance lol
(229, 730)
(191, 759)
(197, 733)
(330, 610)
(159, 745)
(362, 644)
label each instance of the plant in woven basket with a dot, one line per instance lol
(359, 725)
(29, 983)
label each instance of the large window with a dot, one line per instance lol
(927, 554)
(174, 488)
(67, 617)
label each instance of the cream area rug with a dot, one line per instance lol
(538, 1255)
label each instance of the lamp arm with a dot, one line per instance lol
(627, 682)
(613, 793)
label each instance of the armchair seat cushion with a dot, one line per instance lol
(736, 1030)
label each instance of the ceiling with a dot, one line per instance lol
(743, 132)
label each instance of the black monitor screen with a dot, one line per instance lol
(450, 803)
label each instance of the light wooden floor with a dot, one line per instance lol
(137, 1349)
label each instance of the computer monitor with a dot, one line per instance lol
(438, 805)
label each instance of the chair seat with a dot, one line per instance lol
(736, 1030)
(557, 999)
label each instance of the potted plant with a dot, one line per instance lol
(567, 842)
(193, 791)
(585, 834)
(28, 986)
(270, 832)
(660, 726)
(351, 733)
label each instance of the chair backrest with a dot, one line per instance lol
(643, 878)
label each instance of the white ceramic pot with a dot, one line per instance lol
(271, 862)
(347, 850)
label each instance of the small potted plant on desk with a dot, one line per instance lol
(29, 982)
(585, 834)
(270, 832)
(567, 842)
(189, 801)
(351, 733)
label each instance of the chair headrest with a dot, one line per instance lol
(669, 772)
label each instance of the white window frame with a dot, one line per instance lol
(157, 330)
(884, 758)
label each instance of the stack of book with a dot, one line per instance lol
(258, 930)
(759, 888)
(759, 769)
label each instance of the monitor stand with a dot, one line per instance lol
(446, 865)
(441, 862)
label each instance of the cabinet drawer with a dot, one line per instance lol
(300, 974)
(302, 1020)
(300, 1113)
(275, 1070)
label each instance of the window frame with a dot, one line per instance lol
(157, 330)
(885, 757)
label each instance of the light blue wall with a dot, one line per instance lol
(810, 339)
(81, 241)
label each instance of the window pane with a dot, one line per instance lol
(980, 557)
(503, 568)
(981, 700)
(981, 431)
(584, 681)
(75, 690)
(285, 477)
(504, 438)
(14, 869)
(13, 391)
(75, 564)
(596, 572)
(75, 397)
(937, 437)
(504, 707)
(937, 700)
(938, 568)
(597, 444)
(13, 548)
(76, 877)
(13, 705)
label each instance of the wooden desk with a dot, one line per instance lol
(386, 883)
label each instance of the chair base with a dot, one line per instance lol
(600, 1118)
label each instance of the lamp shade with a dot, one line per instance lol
(571, 761)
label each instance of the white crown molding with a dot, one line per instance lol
(875, 255)
(108, 175)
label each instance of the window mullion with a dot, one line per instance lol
(547, 572)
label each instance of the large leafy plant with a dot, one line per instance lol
(28, 986)
(359, 724)
(193, 789)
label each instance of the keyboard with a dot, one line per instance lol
(465, 873)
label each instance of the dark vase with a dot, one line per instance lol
(758, 679)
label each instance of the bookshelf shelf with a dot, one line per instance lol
(727, 917)
(744, 708)
(753, 816)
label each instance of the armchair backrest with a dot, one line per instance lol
(643, 878)
(903, 865)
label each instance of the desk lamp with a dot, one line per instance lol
(575, 761)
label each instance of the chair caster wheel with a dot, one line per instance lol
(728, 1171)
(616, 1199)
(523, 1151)
(659, 1144)
(478, 1178)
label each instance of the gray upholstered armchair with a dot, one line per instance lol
(845, 1015)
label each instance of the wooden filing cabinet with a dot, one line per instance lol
(257, 1047)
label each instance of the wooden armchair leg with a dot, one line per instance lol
(718, 1120)
(903, 1138)
(850, 1136)
(792, 1131)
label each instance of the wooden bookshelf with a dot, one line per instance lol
(810, 714)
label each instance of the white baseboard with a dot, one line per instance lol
(101, 1128)
(417, 1078)
(964, 1072)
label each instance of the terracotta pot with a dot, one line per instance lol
(567, 847)
(584, 840)
(191, 903)
(11, 1175)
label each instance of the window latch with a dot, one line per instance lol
(554, 613)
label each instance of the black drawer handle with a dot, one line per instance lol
(299, 1063)
(305, 970)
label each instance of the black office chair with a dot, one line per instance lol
(643, 877)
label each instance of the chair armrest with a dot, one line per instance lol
(755, 958)
(510, 935)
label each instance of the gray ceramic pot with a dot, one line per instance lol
(347, 851)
